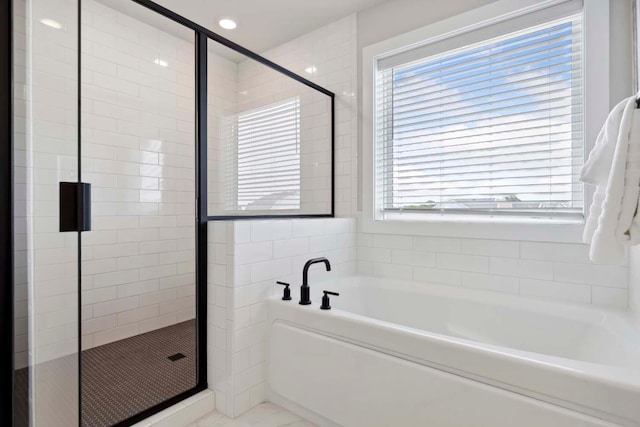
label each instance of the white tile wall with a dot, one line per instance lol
(45, 152)
(222, 108)
(21, 289)
(332, 50)
(220, 297)
(557, 271)
(260, 86)
(247, 257)
(280, 258)
(254, 255)
(139, 154)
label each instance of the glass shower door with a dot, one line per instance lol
(138, 261)
(46, 344)
(105, 318)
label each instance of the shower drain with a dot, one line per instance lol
(176, 356)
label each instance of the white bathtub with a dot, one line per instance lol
(398, 353)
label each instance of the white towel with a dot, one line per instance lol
(614, 168)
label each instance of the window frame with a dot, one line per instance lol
(596, 65)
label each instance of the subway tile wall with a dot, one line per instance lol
(326, 56)
(556, 271)
(222, 109)
(220, 295)
(45, 152)
(138, 152)
(330, 52)
(20, 252)
(246, 258)
(259, 87)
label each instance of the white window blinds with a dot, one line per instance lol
(493, 127)
(268, 157)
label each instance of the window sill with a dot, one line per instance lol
(475, 218)
(567, 230)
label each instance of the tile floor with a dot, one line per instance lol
(123, 378)
(263, 415)
(119, 379)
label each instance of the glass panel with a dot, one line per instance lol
(269, 140)
(138, 152)
(46, 260)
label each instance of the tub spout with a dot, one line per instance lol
(305, 298)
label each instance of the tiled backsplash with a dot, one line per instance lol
(557, 271)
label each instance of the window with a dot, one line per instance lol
(491, 127)
(268, 158)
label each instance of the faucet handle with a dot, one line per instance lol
(286, 295)
(326, 304)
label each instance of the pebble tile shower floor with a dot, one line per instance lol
(125, 377)
(119, 379)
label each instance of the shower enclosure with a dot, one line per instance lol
(132, 128)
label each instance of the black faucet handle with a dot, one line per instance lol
(286, 295)
(326, 304)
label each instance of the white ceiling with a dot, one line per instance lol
(264, 24)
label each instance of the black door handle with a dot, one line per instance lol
(75, 206)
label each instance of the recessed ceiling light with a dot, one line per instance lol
(227, 24)
(311, 69)
(51, 23)
(161, 62)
